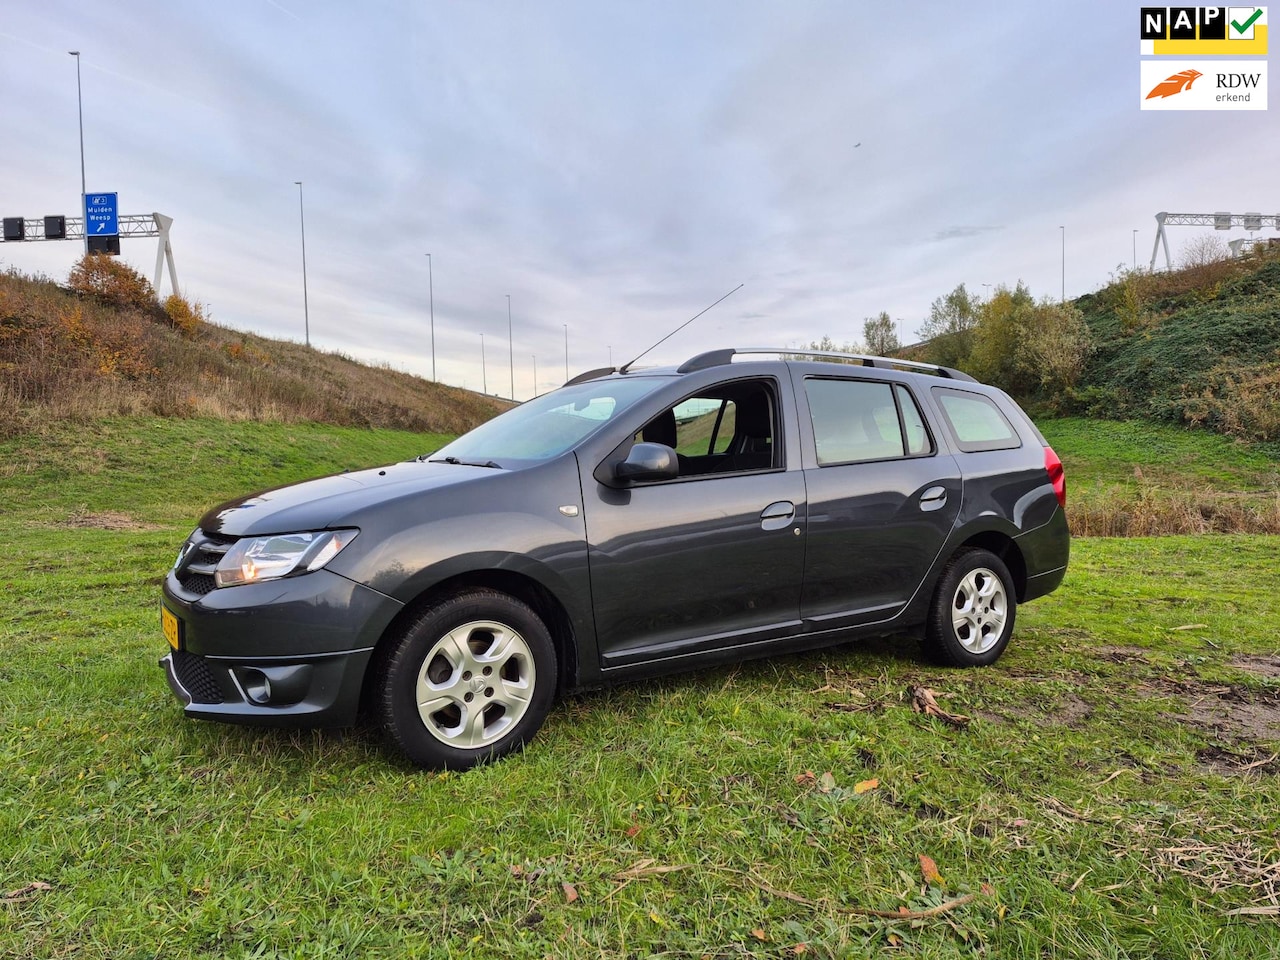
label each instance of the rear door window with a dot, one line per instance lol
(858, 420)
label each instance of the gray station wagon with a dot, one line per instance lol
(629, 524)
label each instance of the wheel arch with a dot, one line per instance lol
(1006, 548)
(518, 585)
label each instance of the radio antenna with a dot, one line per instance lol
(626, 366)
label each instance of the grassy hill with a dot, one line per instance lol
(97, 353)
(1199, 346)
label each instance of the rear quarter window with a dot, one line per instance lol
(975, 421)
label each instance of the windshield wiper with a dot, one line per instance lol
(490, 464)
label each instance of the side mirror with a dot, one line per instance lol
(648, 461)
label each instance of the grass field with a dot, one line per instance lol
(1114, 795)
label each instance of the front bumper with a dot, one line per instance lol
(289, 652)
(319, 691)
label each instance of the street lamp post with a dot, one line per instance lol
(306, 309)
(80, 110)
(431, 293)
(1135, 250)
(511, 350)
(1064, 262)
(484, 374)
(535, 374)
(566, 353)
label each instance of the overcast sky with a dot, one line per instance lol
(613, 166)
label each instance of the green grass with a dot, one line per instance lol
(1097, 805)
(1136, 476)
(1102, 452)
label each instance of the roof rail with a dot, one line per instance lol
(595, 374)
(716, 358)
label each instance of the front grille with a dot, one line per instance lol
(196, 678)
(197, 583)
(195, 572)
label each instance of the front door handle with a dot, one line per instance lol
(935, 498)
(778, 515)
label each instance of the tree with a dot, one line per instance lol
(881, 335)
(949, 328)
(1058, 346)
(1027, 348)
(1203, 250)
(995, 355)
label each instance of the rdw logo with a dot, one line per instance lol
(1176, 84)
(1203, 84)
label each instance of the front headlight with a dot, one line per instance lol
(255, 559)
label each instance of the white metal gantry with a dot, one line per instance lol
(1219, 221)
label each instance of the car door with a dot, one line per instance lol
(712, 558)
(882, 500)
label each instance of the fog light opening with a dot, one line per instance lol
(257, 687)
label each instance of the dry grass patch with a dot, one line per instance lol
(1172, 508)
(106, 520)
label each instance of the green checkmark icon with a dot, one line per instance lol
(1242, 27)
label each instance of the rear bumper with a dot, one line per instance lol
(321, 691)
(1046, 551)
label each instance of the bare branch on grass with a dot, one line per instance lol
(923, 701)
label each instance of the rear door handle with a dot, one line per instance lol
(778, 515)
(935, 498)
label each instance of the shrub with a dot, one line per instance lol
(185, 317)
(1057, 345)
(112, 282)
(1242, 401)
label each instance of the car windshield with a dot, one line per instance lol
(549, 425)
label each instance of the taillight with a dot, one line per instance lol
(1057, 476)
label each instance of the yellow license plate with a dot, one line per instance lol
(170, 624)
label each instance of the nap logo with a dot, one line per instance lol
(1203, 31)
(1203, 85)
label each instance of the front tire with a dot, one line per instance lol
(973, 611)
(470, 679)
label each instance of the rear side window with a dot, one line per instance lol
(856, 420)
(975, 421)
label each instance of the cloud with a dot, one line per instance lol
(960, 232)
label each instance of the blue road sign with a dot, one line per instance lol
(101, 215)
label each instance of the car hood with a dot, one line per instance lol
(333, 501)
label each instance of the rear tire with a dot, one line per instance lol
(973, 611)
(469, 680)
